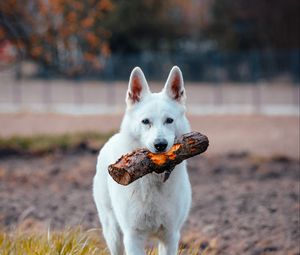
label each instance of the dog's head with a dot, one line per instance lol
(154, 120)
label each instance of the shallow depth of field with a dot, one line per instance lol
(64, 70)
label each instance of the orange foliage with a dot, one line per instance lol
(37, 51)
(104, 5)
(72, 17)
(105, 49)
(78, 5)
(56, 25)
(43, 8)
(57, 6)
(92, 39)
(87, 22)
(89, 57)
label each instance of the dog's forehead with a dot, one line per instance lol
(157, 104)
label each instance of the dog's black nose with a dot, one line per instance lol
(160, 144)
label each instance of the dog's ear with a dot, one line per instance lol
(174, 87)
(137, 87)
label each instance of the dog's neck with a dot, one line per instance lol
(149, 184)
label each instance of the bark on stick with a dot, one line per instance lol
(140, 162)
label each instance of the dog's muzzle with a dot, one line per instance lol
(160, 144)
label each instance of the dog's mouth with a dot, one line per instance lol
(166, 174)
(154, 151)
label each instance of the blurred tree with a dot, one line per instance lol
(139, 25)
(243, 24)
(63, 35)
(75, 36)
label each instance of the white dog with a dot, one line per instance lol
(148, 207)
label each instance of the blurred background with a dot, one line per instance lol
(238, 56)
(64, 70)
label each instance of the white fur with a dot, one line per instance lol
(147, 207)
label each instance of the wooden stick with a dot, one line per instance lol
(140, 162)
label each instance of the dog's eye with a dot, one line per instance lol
(169, 120)
(146, 121)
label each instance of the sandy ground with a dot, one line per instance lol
(245, 187)
(256, 134)
(241, 203)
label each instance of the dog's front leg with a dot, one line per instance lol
(134, 243)
(169, 244)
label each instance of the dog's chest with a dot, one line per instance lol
(152, 206)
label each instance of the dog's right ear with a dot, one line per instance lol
(137, 87)
(174, 87)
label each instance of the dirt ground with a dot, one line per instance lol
(248, 205)
(245, 187)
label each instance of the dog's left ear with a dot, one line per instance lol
(174, 87)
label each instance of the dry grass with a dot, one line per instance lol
(74, 242)
(40, 144)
